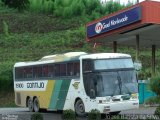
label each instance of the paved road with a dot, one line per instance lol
(24, 114)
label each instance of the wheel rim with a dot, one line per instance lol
(36, 105)
(30, 105)
(80, 108)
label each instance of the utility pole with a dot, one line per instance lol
(137, 1)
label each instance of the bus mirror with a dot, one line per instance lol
(92, 94)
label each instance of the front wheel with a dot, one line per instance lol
(36, 105)
(30, 104)
(79, 108)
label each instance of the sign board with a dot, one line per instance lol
(114, 22)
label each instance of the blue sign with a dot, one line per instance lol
(117, 21)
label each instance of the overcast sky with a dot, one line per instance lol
(125, 1)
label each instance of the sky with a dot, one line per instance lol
(125, 1)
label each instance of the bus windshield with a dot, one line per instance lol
(113, 64)
(110, 77)
(111, 83)
(115, 83)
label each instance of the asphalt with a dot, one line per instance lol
(24, 114)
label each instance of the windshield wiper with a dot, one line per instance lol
(120, 83)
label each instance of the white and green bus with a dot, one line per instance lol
(78, 81)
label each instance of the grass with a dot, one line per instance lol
(32, 36)
(7, 99)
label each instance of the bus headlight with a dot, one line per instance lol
(134, 96)
(104, 101)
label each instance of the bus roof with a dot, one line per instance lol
(104, 55)
(52, 58)
(69, 57)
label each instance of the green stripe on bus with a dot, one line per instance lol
(63, 94)
(55, 94)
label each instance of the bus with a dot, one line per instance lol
(78, 81)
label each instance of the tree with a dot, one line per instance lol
(18, 4)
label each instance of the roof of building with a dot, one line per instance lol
(146, 25)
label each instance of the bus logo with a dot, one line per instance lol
(75, 85)
(98, 27)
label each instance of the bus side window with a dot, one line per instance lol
(35, 73)
(62, 69)
(57, 70)
(45, 71)
(51, 71)
(70, 69)
(29, 72)
(76, 69)
(18, 73)
(87, 66)
(39, 71)
(24, 73)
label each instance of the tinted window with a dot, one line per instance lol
(37, 71)
(70, 69)
(87, 65)
(76, 69)
(57, 70)
(51, 72)
(62, 69)
(18, 73)
(29, 72)
(45, 71)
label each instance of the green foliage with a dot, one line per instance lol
(152, 101)
(144, 74)
(36, 116)
(92, 9)
(112, 7)
(157, 111)
(5, 29)
(68, 115)
(69, 8)
(6, 77)
(41, 6)
(154, 85)
(18, 4)
(94, 114)
(1, 3)
(130, 3)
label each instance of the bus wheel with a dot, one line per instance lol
(30, 104)
(79, 108)
(36, 105)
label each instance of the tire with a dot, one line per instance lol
(36, 106)
(80, 108)
(30, 104)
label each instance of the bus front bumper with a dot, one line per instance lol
(118, 106)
